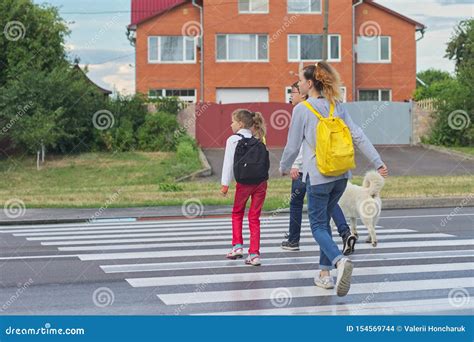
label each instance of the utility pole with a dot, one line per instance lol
(325, 29)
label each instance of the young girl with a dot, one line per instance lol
(244, 124)
(321, 83)
(298, 192)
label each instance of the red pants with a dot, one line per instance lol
(242, 194)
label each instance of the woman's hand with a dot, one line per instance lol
(224, 190)
(294, 173)
(383, 170)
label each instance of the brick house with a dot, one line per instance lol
(252, 49)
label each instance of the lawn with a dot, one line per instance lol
(136, 179)
(467, 149)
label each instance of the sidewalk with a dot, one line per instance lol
(59, 215)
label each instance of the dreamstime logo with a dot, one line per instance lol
(14, 208)
(19, 114)
(370, 30)
(191, 29)
(102, 297)
(281, 297)
(112, 198)
(369, 208)
(371, 296)
(21, 288)
(456, 210)
(106, 27)
(459, 120)
(103, 119)
(189, 123)
(199, 288)
(458, 297)
(14, 30)
(377, 111)
(192, 208)
(287, 22)
(280, 119)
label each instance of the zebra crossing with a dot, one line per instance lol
(182, 262)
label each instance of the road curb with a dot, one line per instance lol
(206, 171)
(447, 151)
(169, 213)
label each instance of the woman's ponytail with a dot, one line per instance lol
(259, 125)
(326, 80)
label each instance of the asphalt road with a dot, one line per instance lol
(423, 264)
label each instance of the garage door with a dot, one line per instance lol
(241, 95)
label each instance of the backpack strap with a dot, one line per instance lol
(240, 135)
(331, 110)
(315, 112)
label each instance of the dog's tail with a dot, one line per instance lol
(374, 182)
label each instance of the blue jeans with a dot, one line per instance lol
(322, 199)
(298, 191)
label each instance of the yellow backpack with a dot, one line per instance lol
(334, 148)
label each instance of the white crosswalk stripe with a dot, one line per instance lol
(243, 277)
(183, 262)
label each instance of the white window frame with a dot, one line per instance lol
(379, 60)
(379, 95)
(288, 94)
(344, 94)
(184, 61)
(316, 60)
(242, 60)
(304, 12)
(250, 11)
(192, 99)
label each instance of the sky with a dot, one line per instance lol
(99, 38)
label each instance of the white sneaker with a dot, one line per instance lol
(325, 282)
(235, 253)
(254, 261)
(344, 275)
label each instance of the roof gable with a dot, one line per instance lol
(392, 12)
(145, 9)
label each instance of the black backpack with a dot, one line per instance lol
(251, 161)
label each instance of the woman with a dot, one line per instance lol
(298, 192)
(321, 83)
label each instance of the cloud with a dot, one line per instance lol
(453, 2)
(427, 9)
(431, 50)
(117, 76)
(440, 17)
(441, 23)
(100, 56)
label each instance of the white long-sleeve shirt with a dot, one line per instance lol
(228, 165)
(298, 163)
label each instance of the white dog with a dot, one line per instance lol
(364, 202)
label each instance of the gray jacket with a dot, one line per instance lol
(303, 133)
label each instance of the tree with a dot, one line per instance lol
(455, 113)
(430, 76)
(435, 80)
(33, 37)
(461, 46)
(57, 110)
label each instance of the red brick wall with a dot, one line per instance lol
(157, 76)
(223, 17)
(400, 74)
